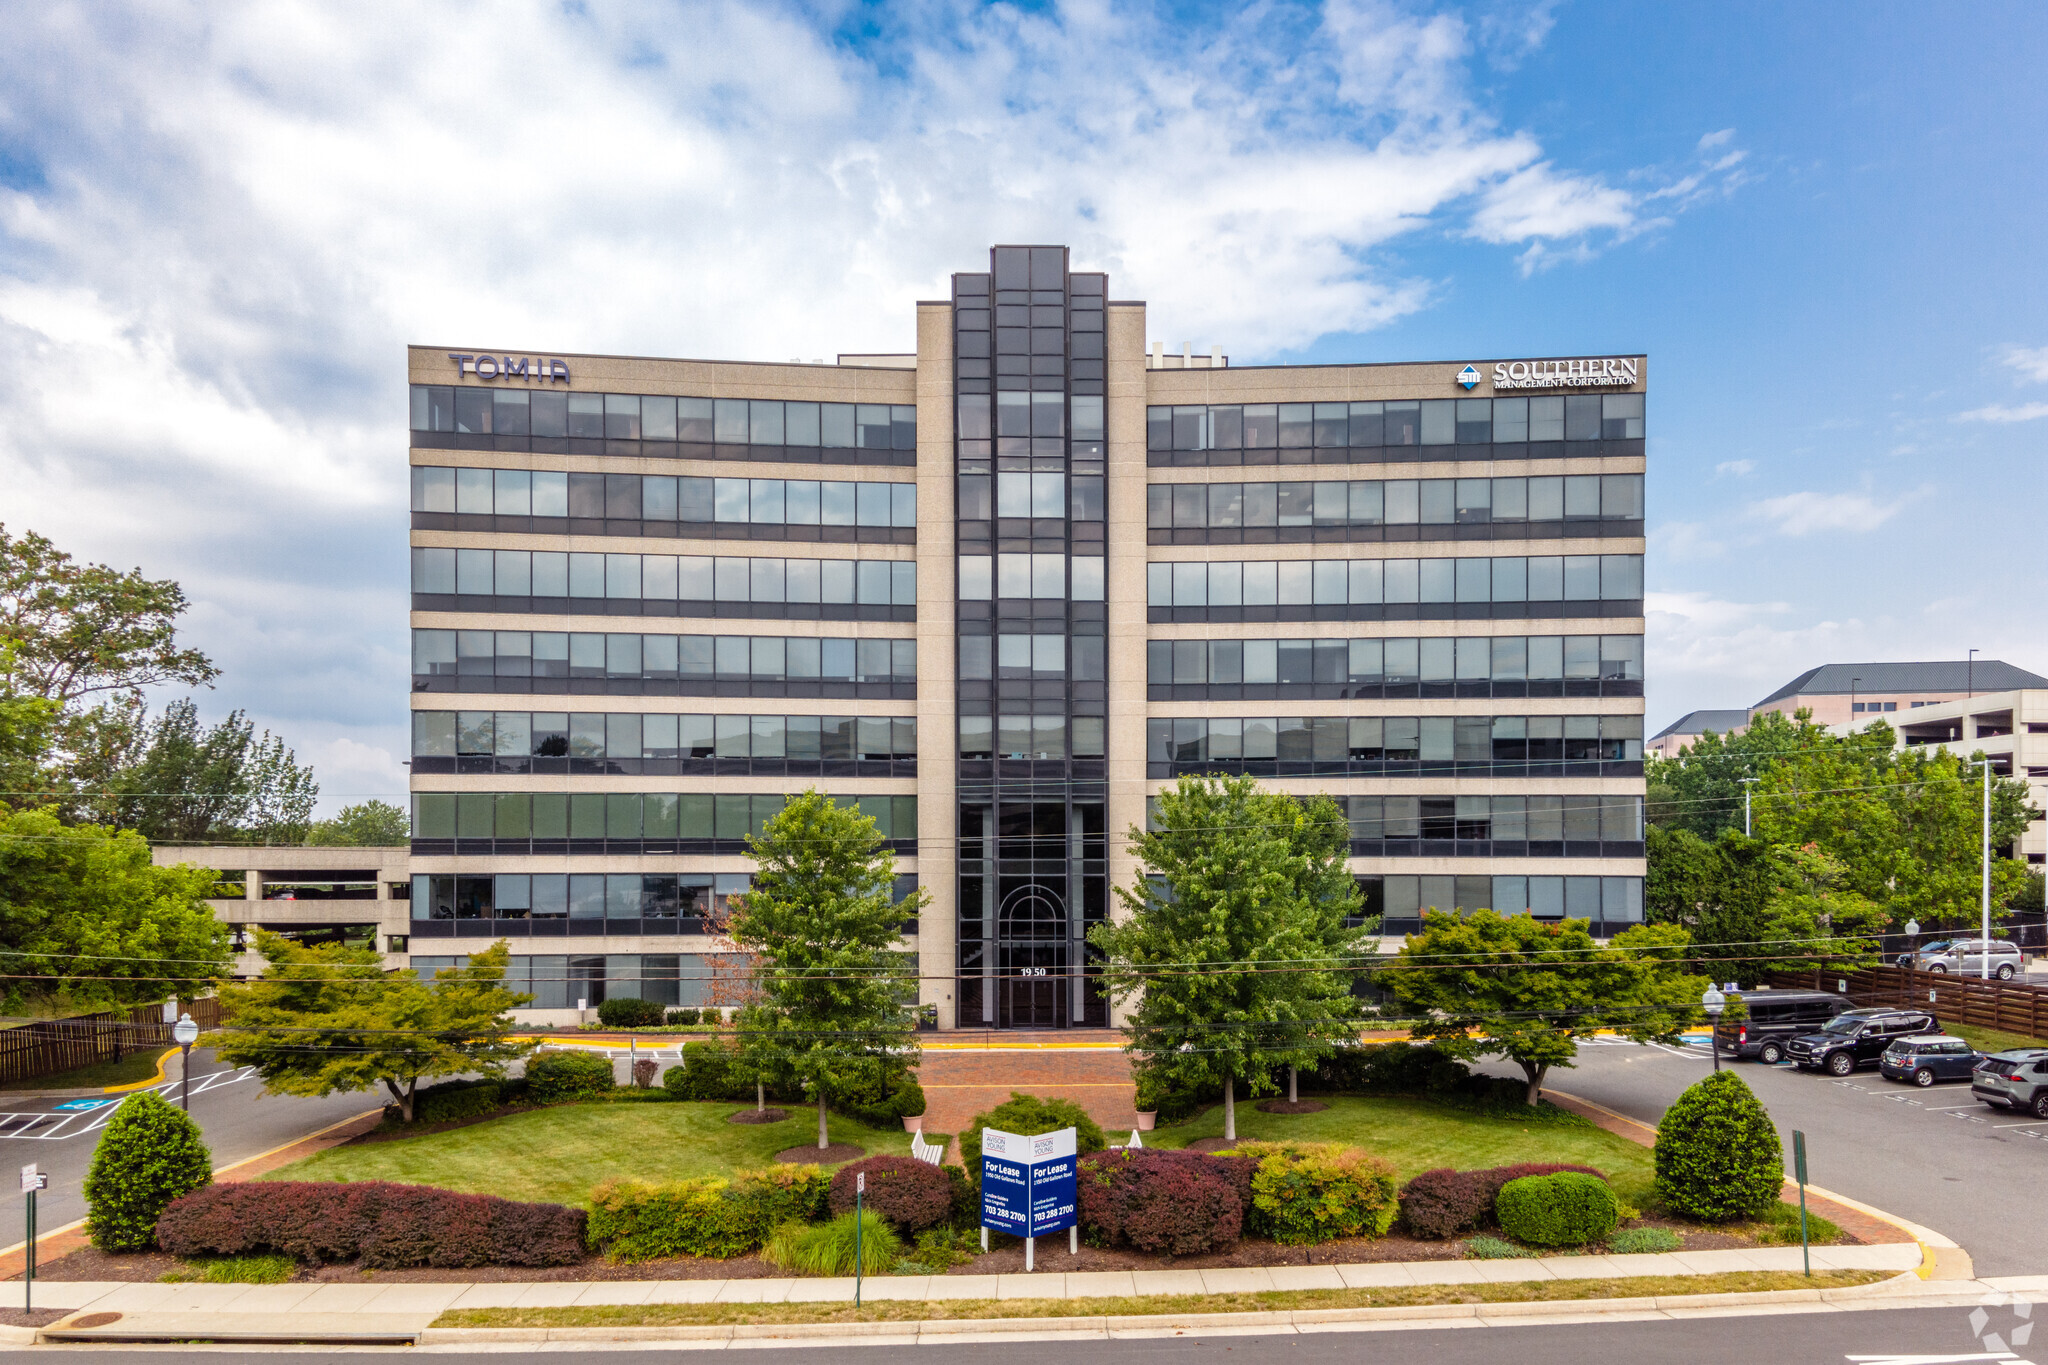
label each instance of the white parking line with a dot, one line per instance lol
(2036, 1124)
(55, 1127)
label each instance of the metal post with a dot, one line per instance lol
(1029, 1243)
(185, 1076)
(1799, 1170)
(1074, 1240)
(1745, 805)
(1986, 906)
(29, 1276)
(860, 1188)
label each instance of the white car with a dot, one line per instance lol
(1966, 956)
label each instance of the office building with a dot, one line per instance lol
(1683, 733)
(998, 590)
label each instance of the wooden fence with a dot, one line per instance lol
(50, 1046)
(2009, 1005)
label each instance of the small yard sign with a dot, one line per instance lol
(1028, 1182)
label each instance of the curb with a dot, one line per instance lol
(911, 1329)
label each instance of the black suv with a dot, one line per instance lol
(1772, 1018)
(1857, 1038)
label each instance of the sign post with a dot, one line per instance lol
(1028, 1187)
(860, 1194)
(1799, 1172)
(31, 1181)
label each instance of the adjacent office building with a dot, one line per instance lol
(997, 591)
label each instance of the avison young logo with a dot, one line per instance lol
(511, 367)
(1604, 372)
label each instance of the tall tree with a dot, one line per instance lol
(1235, 952)
(192, 783)
(89, 918)
(1527, 989)
(327, 1019)
(823, 931)
(371, 824)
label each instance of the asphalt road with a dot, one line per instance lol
(229, 1105)
(1935, 1156)
(1921, 1336)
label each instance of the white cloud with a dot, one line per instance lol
(1709, 141)
(1735, 468)
(1684, 540)
(2032, 362)
(1707, 652)
(1799, 514)
(1999, 412)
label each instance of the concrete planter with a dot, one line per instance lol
(913, 1123)
(1145, 1120)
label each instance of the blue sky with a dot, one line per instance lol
(220, 224)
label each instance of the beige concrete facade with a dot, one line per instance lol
(1133, 375)
(2009, 728)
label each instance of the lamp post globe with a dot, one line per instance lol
(1912, 942)
(186, 1033)
(1713, 1002)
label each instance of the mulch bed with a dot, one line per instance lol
(1215, 1144)
(759, 1116)
(815, 1155)
(41, 1317)
(1292, 1106)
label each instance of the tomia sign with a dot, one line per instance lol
(510, 367)
(1601, 373)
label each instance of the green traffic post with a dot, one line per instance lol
(860, 1188)
(1799, 1171)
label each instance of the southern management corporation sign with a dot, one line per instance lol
(1602, 372)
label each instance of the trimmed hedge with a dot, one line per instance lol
(1180, 1203)
(1718, 1156)
(684, 1016)
(463, 1099)
(636, 1221)
(568, 1075)
(1310, 1192)
(1030, 1115)
(629, 1012)
(386, 1226)
(1444, 1203)
(711, 1071)
(910, 1194)
(1563, 1210)
(150, 1155)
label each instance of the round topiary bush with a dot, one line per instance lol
(628, 1012)
(913, 1196)
(1031, 1115)
(1563, 1210)
(149, 1155)
(1718, 1155)
(568, 1075)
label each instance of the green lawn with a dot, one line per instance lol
(135, 1067)
(557, 1154)
(1416, 1136)
(1990, 1039)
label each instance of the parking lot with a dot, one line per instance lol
(1932, 1155)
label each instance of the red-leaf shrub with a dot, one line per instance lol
(910, 1194)
(1444, 1203)
(1182, 1203)
(384, 1225)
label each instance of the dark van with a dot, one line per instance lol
(1771, 1018)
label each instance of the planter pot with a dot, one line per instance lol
(1145, 1120)
(913, 1123)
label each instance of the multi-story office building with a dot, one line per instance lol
(999, 590)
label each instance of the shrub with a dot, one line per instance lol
(150, 1154)
(965, 1210)
(682, 1016)
(1398, 1068)
(1181, 1203)
(1717, 1153)
(1316, 1192)
(1031, 1115)
(1634, 1241)
(628, 1012)
(1158, 1095)
(1563, 1210)
(386, 1226)
(940, 1249)
(1442, 1203)
(462, 1100)
(827, 1249)
(710, 1071)
(636, 1221)
(905, 1099)
(569, 1074)
(910, 1194)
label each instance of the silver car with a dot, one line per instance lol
(1966, 957)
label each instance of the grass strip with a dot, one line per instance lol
(1151, 1305)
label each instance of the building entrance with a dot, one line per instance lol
(1031, 964)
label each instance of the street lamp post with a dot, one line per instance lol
(1912, 944)
(1986, 875)
(1746, 783)
(1713, 1002)
(187, 1033)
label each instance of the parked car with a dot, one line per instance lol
(1856, 1039)
(1965, 957)
(1928, 1058)
(1772, 1018)
(1912, 958)
(2014, 1080)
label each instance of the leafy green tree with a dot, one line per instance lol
(223, 784)
(1717, 891)
(1235, 952)
(149, 1155)
(327, 1019)
(1527, 989)
(83, 909)
(372, 824)
(822, 932)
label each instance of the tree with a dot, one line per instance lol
(150, 1154)
(822, 927)
(1718, 1155)
(83, 908)
(1717, 892)
(192, 784)
(331, 1018)
(1235, 949)
(1529, 989)
(373, 824)
(80, 629)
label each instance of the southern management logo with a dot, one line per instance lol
(1469, 378)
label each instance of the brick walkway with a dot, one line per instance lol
(968, 1075)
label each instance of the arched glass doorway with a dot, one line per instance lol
(1032, 963)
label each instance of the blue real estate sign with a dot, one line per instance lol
(1028, 1182)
